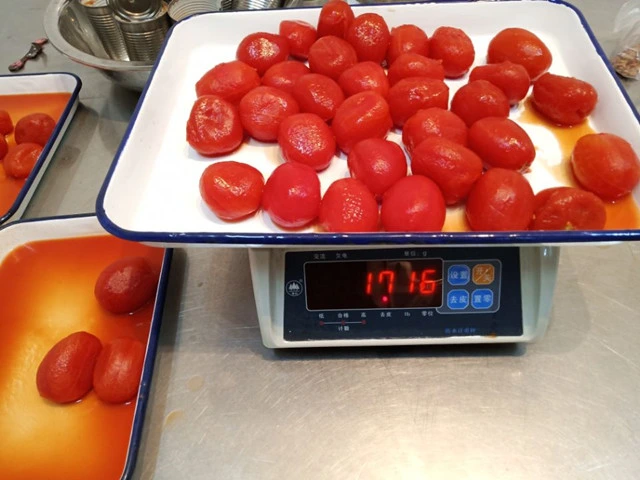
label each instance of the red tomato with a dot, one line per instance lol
(263, 109)
(520, 46)
(318, 94)
(479, 99)
(306, 138)
(453, 167)
(126, 285)
(232, 190)
(606, 165)
(369, 35)
(261, 50)
(292, 195)
(117, 373)
(331, 56)
(512, 78)
(284, 75)
(20, 160)
(230, 81)
(335, 18)
(500, 200)
(364, 76)
(413, 204)
(66, 371)
(34, 128)
(348, 206)
(361, 116)
(377, 163)
(4, 147)
(454, 48)
(563, 100)
(214, 126)
(407, 39)
(501, 142)
(6, 125)
(433, 122)
(415, 93)
(543, 196)
(300, 36)
(566, 208)
(415, 65)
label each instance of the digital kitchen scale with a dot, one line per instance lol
(316, 289)
(402, 295)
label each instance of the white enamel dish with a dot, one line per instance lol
(33, 84)
(151, 191)
(17, 235)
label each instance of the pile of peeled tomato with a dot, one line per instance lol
(31, 133)
(344, 84)
(80, 362)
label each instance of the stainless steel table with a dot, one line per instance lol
(225, 407)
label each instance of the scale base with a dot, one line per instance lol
(537, 271)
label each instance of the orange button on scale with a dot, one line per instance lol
(483, 274)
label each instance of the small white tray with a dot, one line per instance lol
(151, 191)
(32, 84)
(18, 234)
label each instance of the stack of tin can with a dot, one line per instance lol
(181, 9)
(129, 29)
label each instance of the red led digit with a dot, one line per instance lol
(424, 283)
(427, 284)
(391, 279)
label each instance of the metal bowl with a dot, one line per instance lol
(70, 31)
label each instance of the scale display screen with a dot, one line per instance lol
(415, 283)
(410, 292)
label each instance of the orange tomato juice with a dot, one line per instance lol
(47, 294)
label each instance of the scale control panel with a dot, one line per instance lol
(471, 286)
(402, 293)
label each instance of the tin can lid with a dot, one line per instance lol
(135, 9)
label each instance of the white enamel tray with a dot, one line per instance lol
(31, 84)
(151, 191)
(16, 235)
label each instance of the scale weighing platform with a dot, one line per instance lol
(402, 296)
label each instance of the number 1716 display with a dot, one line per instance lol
(374, 284)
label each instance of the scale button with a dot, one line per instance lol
(458, 299)
(293, 288)
(483, 274)
(458, 275)
(482, 299)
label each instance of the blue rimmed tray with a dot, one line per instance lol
(151, 191)
(39, 83)
(33, 427)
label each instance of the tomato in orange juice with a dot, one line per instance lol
(622, 214)
(18, 106)
(47, 294)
